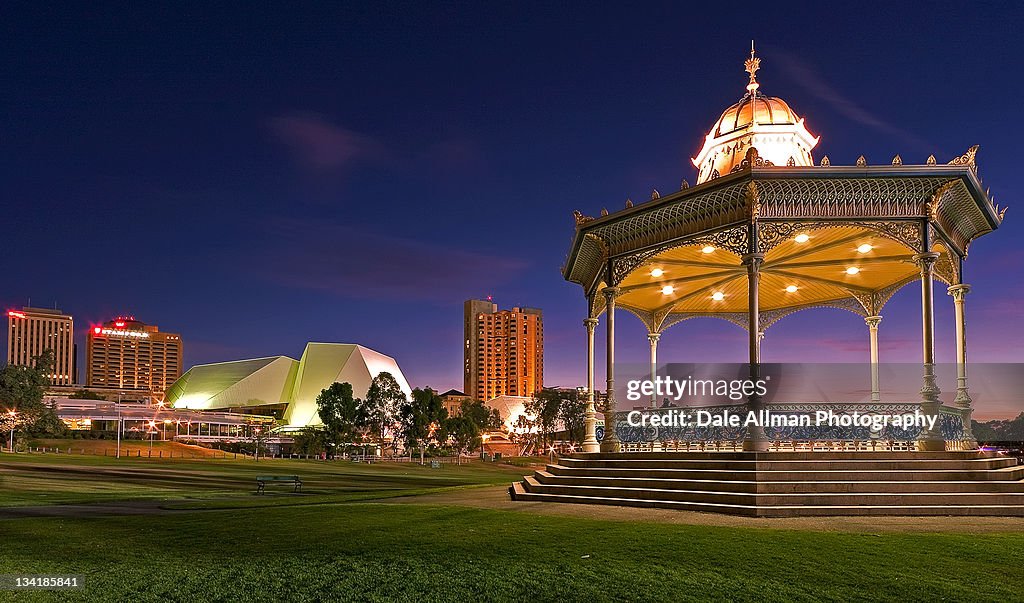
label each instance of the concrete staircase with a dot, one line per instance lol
(787, 484)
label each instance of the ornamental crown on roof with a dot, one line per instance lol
(760, 121)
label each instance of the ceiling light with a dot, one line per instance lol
(657, 272)
(852, 270)
(668, 289)
(791, 289)
(718, 296)
(864, 248)
(802, 238)
(708, 249)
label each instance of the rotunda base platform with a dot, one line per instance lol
(787, 484)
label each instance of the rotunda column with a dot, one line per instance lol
(755, 440)
(930, 439)
(873, 322)
(963, 398)
(610, 443)
(653, 339)
(590, 443)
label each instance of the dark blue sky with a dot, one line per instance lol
(258, 178)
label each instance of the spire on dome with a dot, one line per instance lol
(751, 66)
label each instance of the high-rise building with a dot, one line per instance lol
(129, 354)
(31, 331)
(504, 350)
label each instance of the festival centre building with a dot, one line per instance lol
(280, 385)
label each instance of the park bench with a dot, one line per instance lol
(261, 481)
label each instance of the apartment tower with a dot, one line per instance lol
(504, 350)
(31, 331)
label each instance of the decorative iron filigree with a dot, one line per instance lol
(967, 159)
(580, 218)
(825, 162)
(897, 160)
(753, 199)
(930, 160)
(861, 161)
(931, 207)
(731, 239)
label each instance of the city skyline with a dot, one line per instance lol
(272, 183)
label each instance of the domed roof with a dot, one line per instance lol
(754, 107)
(765, 123)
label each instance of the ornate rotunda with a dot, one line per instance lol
(766, 232)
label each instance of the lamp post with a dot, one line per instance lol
(152, 432)
(14, 419)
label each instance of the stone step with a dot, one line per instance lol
(1009, 473)
(758, 499)
(822, 464)
(519, 493)
(781, 487)
(795, 456)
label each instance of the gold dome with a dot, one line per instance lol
(757, 108)
(763, 122)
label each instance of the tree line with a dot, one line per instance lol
(421, 423)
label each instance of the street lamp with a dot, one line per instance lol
(152, 432)
(14, 419)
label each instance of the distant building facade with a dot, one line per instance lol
(503, 350)
(125, 353)
(452, 400)
(31, 331)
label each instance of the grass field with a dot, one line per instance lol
(335, 549)
(34, 479)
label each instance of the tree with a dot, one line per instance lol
(546, 407)
(462, 433)
(480, 414)
(379, 411)
(421, 417)
(524, 430)
(573, 413)
(339, 412)
(22, 389)
(311, 440)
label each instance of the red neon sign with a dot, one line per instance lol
(14, 314)
(119, 323)
(96, 330)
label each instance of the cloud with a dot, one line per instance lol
(353, 263)
(808, 78)
(321, 146)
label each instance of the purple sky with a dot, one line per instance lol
(255, 180)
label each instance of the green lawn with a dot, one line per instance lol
(30, 479)
(383, 552)
(328, 545)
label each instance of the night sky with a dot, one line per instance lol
(256, 179)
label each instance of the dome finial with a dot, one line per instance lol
(751, 66)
